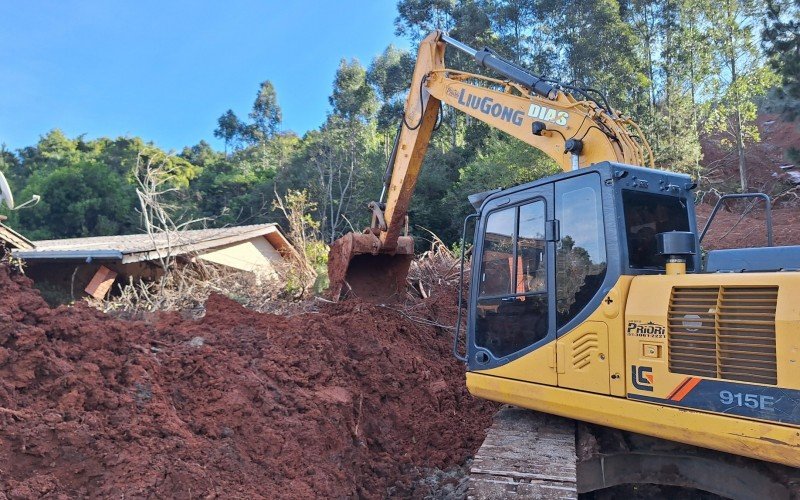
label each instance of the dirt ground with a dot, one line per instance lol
(353, 400)
(730, 229)
(767, 168)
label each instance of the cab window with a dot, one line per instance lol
(512, 303)
(498, 252)
(581, 249)
(646, 215)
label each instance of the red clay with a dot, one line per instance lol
(764, 161)
(346, 402)
(732, 230)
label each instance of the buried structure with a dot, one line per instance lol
(67, 268)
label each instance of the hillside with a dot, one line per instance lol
(742, 224)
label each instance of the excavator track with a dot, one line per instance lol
(527, 454)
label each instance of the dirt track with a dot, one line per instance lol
(349, 401)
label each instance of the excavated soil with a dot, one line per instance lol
(355, 400)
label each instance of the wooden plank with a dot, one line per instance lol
(101, 283)
(526, 454)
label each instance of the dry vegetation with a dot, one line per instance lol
(187, 281)
(188, 287)
(436, 267)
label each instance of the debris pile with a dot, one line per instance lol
(353, 400)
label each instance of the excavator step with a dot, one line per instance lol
(526, 454)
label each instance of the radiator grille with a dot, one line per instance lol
(723, 332)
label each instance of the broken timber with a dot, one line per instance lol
(526, 454)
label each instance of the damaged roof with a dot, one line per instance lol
(140, 247)
(13, 239)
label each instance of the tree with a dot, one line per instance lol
(352, 98)
(390, 77)
(417, 18)
(266, 113)
(599, 51)
(87, 186)
(523, 35)
(742, 76)
(668, 46)
(230, 129)
(54, 150)
(781, 39)
(83, 199)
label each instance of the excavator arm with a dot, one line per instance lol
(561, 120)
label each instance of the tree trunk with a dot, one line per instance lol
(740, 151)
(738, 107)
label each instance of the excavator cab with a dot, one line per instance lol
(588, 299)
(547, 253)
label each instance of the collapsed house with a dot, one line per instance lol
(70, 267)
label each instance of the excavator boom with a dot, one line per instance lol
(563, 121)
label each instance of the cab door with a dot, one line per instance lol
(512, 314)
(582, 349)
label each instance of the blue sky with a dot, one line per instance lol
(167, 70)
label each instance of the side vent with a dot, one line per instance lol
(724, 332)
(582, 350)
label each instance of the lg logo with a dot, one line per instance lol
(642, 377)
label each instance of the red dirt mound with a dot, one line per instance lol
(345, 402)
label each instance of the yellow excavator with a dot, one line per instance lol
(590, 300)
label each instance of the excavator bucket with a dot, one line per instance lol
(359, 267)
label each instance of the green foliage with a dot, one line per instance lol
(417, 18)
(781, 36)
(312, 270)
(266, 113)
(390, 76)
(681, 68)
(230, 129)
(266, 118)
(87, 187)
(82, 199)
(504, 163)
(352, 98)
(737, 100)
(741, 76)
